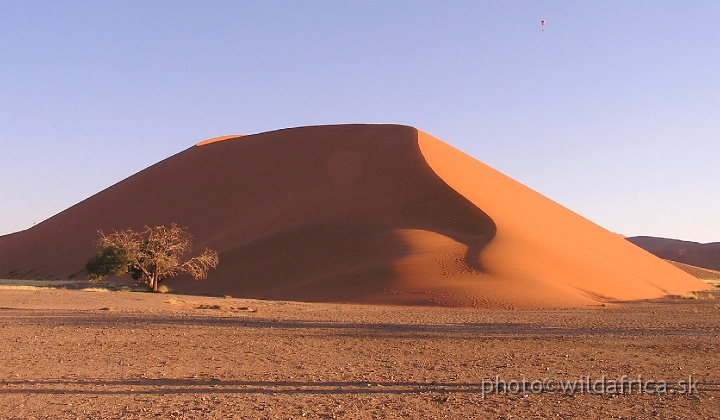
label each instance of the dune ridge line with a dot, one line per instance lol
(380, 214)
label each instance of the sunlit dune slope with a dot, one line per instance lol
(545, 252)
(356, 213)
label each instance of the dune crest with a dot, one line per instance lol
(220, 138)
(356, 213)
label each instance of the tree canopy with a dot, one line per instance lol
(150, 255)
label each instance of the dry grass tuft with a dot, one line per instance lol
(698, 296)
(95, 289)
(20, 287)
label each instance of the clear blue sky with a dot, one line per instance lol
(613, 110)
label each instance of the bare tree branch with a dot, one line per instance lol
(155, 254)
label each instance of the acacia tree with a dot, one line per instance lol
(151, 255)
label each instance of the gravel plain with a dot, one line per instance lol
(112, 354)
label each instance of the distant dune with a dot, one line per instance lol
(705, 274)
(356, 213)
(686, 252)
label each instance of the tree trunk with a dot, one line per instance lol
(156, 278)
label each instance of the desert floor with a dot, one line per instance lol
(102, 354)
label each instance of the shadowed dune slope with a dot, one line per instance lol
(355, 213)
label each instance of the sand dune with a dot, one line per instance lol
(356, 213)
(692, 253)
(711, 277)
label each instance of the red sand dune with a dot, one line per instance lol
(356, 213)
(216, 139)
(686, 252)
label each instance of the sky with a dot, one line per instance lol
(612, 108)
